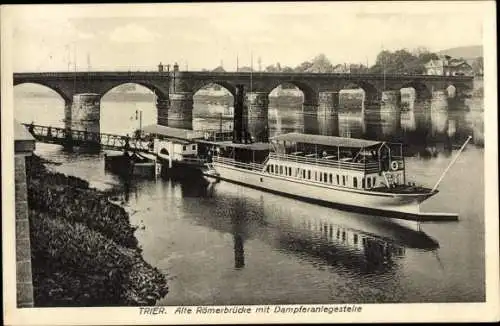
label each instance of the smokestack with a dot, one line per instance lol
(238, 114)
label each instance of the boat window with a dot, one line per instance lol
(304, 174)
(374, 180)
(320, 176)
(316, 175)
(343, 235)
(281, 169)
(290, 171)
(276, 168)
(363, 183)
(338, 179)
(193, 147)
(343, 180)
(325, 177)
(355, 182)
(271, 168)
(369, 182)
(331, 178)
(309, 174)
(355, 239)
(184, 147)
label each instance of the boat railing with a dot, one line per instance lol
(368, 167)
(249, 166)
(216, 135)
(194, 160)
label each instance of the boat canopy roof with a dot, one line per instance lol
(169, 132)
(230, 144)
(326, 140)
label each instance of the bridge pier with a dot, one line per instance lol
(162, 106)
(328, 103)
(310, 114)
(328, 121)
(439, 112)
(180, 113)
(84, 115)
(257, 106)
(390, 113)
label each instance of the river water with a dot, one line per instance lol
(227, 244)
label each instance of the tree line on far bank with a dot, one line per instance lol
(396, 62)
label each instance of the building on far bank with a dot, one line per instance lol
(447, 66)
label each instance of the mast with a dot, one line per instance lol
(74, 64)
(451, 163)
(251, 70)
(384, 64)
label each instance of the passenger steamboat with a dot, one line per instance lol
(335, 170)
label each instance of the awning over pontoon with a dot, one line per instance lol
(326, 140)
(169, 132)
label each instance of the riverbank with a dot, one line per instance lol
(83, 247)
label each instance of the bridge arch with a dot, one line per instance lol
(157, 90)
(65, 96)
(127, 106)
(40, 104)
(370, 91)
(207, 83)
(422, 92)
(459, 89)
(213, 105)
(310, 95)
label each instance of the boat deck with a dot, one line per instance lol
(404, 189)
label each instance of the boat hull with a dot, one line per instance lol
(321, 193)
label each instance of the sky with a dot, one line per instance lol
(137, 37)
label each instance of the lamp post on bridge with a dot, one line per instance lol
(138, 116)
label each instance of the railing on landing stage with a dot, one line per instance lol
(57, 135)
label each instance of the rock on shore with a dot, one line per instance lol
(84, 252)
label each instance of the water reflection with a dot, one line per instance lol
(427, 126)
(343, 241)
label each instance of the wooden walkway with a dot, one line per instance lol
(68, 137)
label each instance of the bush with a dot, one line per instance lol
(74, 265)
(70, 198)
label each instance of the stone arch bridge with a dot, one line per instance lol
(174, 90)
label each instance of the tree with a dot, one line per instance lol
(287, 69)
(271, 68)
(402, 62)
(320, 64)
(303, 66)
(219, 69)
(245, 69)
